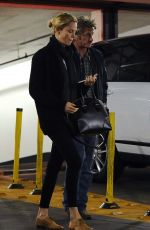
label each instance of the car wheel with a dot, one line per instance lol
(99, 165)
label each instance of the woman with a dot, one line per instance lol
(49, 87)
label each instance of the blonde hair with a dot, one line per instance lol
(60, 21)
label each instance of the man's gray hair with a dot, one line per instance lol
(83, 23)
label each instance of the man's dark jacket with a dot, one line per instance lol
(98, 66)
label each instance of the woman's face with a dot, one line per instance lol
(67, 34)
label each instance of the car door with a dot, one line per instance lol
(128, 67)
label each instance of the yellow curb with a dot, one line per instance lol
(128, 210)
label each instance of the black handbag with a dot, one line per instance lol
(91, 118)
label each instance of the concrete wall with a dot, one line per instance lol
(14, 94)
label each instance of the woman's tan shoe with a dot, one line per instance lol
(47, 222)
(79, 224)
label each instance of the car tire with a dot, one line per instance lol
(100, 176)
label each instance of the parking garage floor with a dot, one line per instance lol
(19, 207)
(19, 215)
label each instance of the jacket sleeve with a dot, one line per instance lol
(38, 84)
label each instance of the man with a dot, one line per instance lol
(90, 67)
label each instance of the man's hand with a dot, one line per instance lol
(70, 107)
(90, 80)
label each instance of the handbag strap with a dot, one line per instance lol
(83, 96)
(96, 101)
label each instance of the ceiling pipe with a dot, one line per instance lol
(74, 4)
(17, 59)
(26, 55)
(35, 39)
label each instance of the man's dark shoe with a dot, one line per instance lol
(147, 213)
(67, 212)
(85, 215)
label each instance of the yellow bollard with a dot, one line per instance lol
(39, 161)
(15, 184)
(110, 204)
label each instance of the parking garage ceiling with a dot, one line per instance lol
(24, 30)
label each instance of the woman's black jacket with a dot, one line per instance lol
(49, 79)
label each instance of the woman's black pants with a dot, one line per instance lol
(63, 149)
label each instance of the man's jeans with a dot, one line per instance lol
(85, 176)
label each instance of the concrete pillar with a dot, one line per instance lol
(110, 23)
(97, 15)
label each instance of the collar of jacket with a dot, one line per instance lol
(87, 54)
(55, 45)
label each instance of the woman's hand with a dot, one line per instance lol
(90, 80)
(70, 107)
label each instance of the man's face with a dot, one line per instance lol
(85, 39)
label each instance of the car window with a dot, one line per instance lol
(128, 60)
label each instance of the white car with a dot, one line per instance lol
(128, 67)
